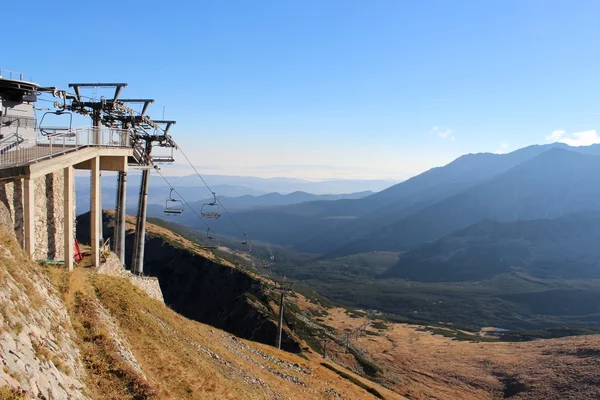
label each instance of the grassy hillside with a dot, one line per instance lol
(446, 363)
(106, 339)
(178, 358)
(510, 296)
(88, 336)
(514, 299)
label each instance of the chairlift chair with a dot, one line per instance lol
(173, 206)
(212, 241)
(212, 209)
(47, 130)
(244, 247)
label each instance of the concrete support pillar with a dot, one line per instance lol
(95, 211)
(116, 230)
(69, 238)
(29, 215)
(120, 215)
(137, 264)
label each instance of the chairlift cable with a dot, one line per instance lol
(182, 199)
(246, 238)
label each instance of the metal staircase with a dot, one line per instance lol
(12, 143)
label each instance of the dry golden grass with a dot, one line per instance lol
(108, 375)
(183, 359)
(434, 367)
(7, 393)
(155, 230)
(421, 365)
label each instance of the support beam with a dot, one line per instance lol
(120, 216)
(97, 124)
(123, 217)
(280, 325)
(29, 215)
(95, 211)
(137, 264)
(116, 230)
(69, 239)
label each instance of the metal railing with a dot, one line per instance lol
(61, 142)
(17, 76)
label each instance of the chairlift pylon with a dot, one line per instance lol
(212, 209)
(173, 206)
(48, 130)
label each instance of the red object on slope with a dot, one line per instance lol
(78, 256)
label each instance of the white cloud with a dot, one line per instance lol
(585, 138)
(503, 148)
(443, 133)
(556, 135)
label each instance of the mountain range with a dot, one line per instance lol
(535, 182)
(503, 240)
(235, 186)
(158, 195)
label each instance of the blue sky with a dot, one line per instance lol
(329, 89)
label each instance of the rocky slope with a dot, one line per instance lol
(38, 346)
(85, 335)
(201, 286)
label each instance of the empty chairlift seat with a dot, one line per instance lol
(212, 209)
(66, 119)
(212, 242)
(173, 206)
(245, 247)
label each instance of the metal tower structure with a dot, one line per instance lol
(144, 134)
(283, 289)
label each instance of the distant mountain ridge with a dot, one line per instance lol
(284, 185)
(428, 206)
(254, 185)
(552, 184)
(278, 199)
(266, 202)
(561, 248)
(488, 240)
(235, 197)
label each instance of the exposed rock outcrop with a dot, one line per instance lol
(149, 284)
(38, 351)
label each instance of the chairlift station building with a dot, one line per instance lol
(37, 164)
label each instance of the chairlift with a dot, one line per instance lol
(244, 247)
(173, 206)
(47, 130)
(212, 209)
(163, 156)
(212, 241)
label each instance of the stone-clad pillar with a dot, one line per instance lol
(95, 211)
(29, 215)
(69, 239)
